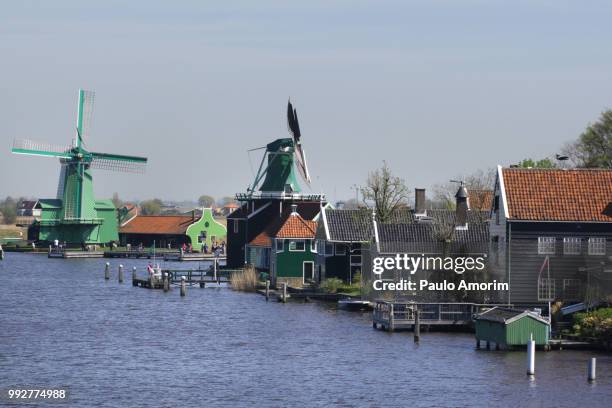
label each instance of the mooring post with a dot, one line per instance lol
(284, 292)
(202, 282)
(120, 273)
(215, 269)
(183, 286)
(107, 271)
(592, 369)
(391, 318)
(267, 290)
(133, 274)
(531, 356)
(477, 344)
(417, 326)
(166, 282)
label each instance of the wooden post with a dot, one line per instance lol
(531, 357)
(120, 273)
(477, 344)
(391, 318)
(417, 326)
(183, 286)
(592, 370)
(267, 290)
(215, 269)
(284, 292)
(133, 274)
(166, 282)
(202, 282)
(107, 271)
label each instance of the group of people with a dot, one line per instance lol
(214, 249)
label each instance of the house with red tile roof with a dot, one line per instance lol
(286, 248)
(551, 234)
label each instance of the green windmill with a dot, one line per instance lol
(75, 216)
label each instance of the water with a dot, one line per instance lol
(115, 345)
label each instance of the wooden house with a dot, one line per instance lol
(551, 234)
(508, 327)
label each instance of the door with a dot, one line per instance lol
(308, 271)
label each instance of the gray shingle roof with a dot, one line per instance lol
(349, 225)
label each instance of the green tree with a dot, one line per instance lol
(385, 192)
(540, 164)
(151, 207)
(594, 146)
(9, 210)
(206, 201)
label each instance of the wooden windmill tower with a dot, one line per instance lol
(75, 216)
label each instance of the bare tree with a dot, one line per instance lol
(478, 184)
(385, 192)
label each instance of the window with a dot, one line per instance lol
(597, 246)
(340, 249)
(546, 245)
(329, 249)
(202, 237)
(313, 246)
(297, 246)
(571, 246)
(356, 260)
(546, 289)
(571, 289)
(280, 245)
(235, 226)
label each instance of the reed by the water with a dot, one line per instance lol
(244, 280)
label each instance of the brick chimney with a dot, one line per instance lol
(419, 202)
(461, 209)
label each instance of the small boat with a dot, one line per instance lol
(354, 304)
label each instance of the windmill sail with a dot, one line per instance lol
(29, 147)
(117, 162)
(84, 115)
(300, 155)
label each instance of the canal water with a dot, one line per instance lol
(114, 345)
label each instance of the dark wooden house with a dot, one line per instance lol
(550, 234)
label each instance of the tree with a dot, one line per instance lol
(151, 207)
(480, 180)
(540, 164)
(594, 146)
(9, 210)
(206, 201)
(117, 201)
(225, 200)
(385, 192)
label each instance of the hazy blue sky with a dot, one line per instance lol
(435, 88)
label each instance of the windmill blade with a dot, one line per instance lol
(300, 163)
(292, 122)
(29, 147)
(118, 162)
(84, 115)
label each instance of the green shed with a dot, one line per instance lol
(511, 327)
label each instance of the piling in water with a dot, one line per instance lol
(183, 286)
(591, 375)
(107, 271)
(133, 274)
(417, 327)
(166, 282)
(531, 357)
(284, 298)
(267, 290)
(120, 273)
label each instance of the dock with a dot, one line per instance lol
(200, 277)
(69, 254)
(178, 256)
(393, 316)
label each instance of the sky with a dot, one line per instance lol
(436, 88)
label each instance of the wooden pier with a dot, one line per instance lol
(201, 277)
(393, 316)
(69, 254)
(179, 256)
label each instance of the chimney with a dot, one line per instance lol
(294, 209)
(419, 201)
(461, 209)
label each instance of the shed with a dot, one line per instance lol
(511, 327)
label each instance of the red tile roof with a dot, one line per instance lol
(158, 224)
(262, 240)
(558, 195)
(297, 227)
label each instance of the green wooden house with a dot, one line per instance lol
(508, 328)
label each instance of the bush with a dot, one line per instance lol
(331, 285)
(245, 280)
(596, 324)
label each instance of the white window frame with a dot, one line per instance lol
(543, 289)
(313, 246)
(281, 247)
(597, 246)
(338, 253)
(293, 245)
(546, 245)
(572, 246)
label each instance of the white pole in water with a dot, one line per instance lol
(166, 283)
(531, 356)
(592, 369)
(120, 273)
(107, 271)
(133, 274)
(183, 286)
